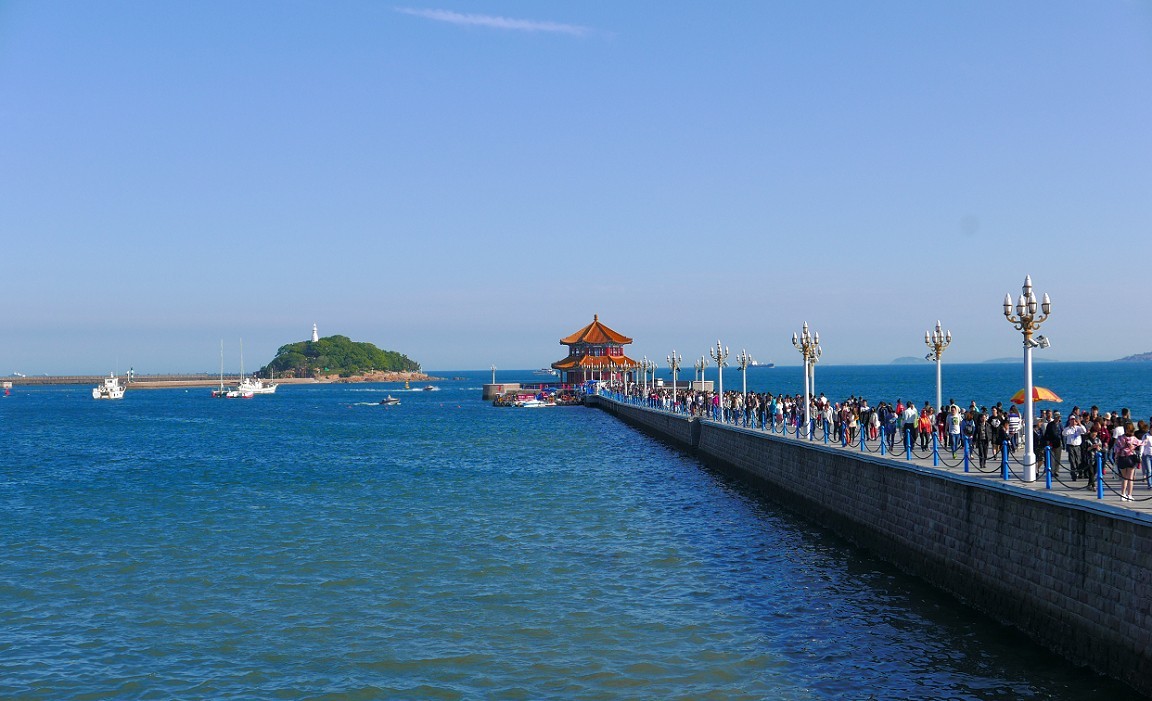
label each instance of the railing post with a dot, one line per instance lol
(967, 454)
(1004, 460)
(935, 449)
(1099, 475)
(908, 442)
(882, 441)
(1048, 467)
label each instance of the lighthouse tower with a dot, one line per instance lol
(315, 335)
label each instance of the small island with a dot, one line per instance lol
(906, 360)
(339, 358)
(1139, 357)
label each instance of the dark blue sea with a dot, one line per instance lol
(313, 544)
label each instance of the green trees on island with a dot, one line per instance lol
(335, 355)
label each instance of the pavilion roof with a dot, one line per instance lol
(593, 362)
(595, 333)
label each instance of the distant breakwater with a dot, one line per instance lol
(145, 381)
(209, 380)
(1072, 574)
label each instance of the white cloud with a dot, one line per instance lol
(520, 25)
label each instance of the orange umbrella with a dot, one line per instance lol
(1039, 394)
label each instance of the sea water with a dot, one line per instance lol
(314, 544)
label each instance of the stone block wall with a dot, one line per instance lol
(1074, 575)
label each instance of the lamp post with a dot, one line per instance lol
(809, 346)
(1027, 321)
(700, 365)
(674, 365)
(644, 368)
(937, 341)
(743, 361)
(720, 355)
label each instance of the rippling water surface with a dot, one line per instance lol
(313, 545)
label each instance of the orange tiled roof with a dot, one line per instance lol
(595, 333)
(592, 362)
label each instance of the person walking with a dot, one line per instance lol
(994, 421)
(954, 422)
(1125, 451)
(1054, 441)
(1145, 451)
(981, 435)
(926, 427)
(908, 420)
(1074, 440)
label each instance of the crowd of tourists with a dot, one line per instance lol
(1072, 444)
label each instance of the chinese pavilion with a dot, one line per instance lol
(595, 352)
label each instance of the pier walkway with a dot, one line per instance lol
(961, 463)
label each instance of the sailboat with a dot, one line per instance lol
(221, 393)
(253, 385)
(240, 391)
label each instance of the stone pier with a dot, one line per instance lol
(1072, 572)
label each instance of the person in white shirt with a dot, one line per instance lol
(1074, 441)
(954, 420)
(908, 419)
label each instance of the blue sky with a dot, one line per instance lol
(468, 182)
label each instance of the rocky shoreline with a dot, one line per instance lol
(382, 376)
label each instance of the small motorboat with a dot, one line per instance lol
(389, 401)
(430, 388)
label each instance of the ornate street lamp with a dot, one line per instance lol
(644, 368)
(674, 365)
(1027, 321)
(720, 355)
(937, 341)
(743, 361)
(809, 346)
(700, 365)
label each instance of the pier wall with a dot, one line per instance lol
(1073, 575)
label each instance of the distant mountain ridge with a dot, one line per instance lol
(911, 360)
(1135, 358)
(907, 360)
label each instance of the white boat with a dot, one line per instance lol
(248, 387)
(257, 386)
(110, 389)
(545, 371)
(389, 401)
